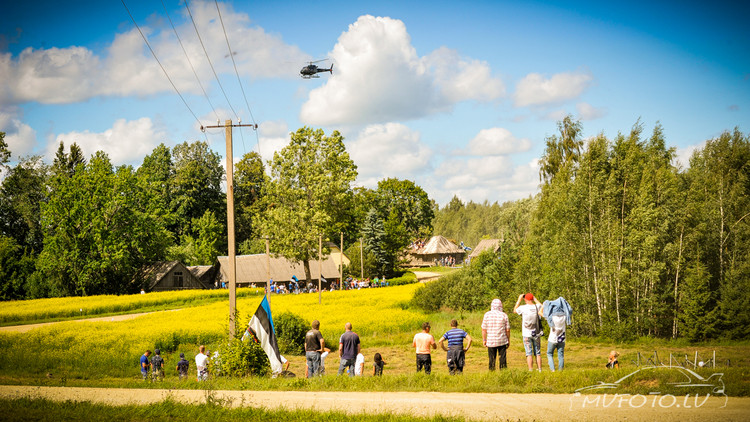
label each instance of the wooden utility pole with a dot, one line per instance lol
(232, 270)
(268, 270)
(320, 266)
(361, 261)
(341, 264)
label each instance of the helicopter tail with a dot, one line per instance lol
(331, 69)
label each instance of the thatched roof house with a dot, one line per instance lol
(169, 275)
(485, 244)
(437, 248)
(254, 269)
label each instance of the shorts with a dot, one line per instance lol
(534, 343)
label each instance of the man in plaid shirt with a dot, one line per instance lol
(496, 334)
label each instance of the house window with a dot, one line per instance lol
(177, 278)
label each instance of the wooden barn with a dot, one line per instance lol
(433, 252)
(492, 244)
(253, 269)
(169, 275)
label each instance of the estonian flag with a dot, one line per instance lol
(261, 328)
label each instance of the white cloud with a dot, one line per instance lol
(274, 136)
(461, 80)
(20, 137)
(127, 142)
(73, 74)
(683, 154)
(389, 150)
(378, 77)
(535, 89)
(497, 141)
(479, 179)
(588, 112)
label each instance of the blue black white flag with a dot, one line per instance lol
(323, 280)
(262, 330)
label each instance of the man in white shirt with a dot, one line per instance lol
(529, 329)
(201, 363)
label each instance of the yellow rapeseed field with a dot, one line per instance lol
(90, 349)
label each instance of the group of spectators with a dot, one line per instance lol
(153, 368)
(295, 286)
(496, 336)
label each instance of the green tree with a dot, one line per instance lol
(374, 237)
(196, 185)
(310, 180)
(249, 176)
(96, 232)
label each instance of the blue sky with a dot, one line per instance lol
(457, 96)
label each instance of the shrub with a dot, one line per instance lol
(239, 358)
(290, 333)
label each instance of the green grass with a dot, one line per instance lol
(169, 410)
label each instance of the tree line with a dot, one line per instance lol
(84, 226)
(638, 244)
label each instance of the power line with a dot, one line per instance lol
(188, 60)
(160, 65)
(239, 80)
(209, 60)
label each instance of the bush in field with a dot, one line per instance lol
(469, 289)
(290, 333)
(239, 358)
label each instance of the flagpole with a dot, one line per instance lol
(320, 266)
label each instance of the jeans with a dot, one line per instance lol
(533, 346)
(499, 351)
(424, 361)
(313, 363)
(560, 355)
(347, 363)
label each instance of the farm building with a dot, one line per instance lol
(253, 269)
(492, 244)
(170, 275)
(437, 248)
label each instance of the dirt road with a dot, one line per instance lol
(29, 327)
(474, 406)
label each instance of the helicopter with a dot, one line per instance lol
(311, 70)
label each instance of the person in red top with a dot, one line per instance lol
(423, 342)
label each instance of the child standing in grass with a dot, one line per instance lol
(377, 366)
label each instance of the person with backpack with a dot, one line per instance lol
(157, 365)
(531, 329)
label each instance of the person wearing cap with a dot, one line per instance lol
(423, 342)
(145, 364)
(530, 329)
(157, 365)
(182, 367)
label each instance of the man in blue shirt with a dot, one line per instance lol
(145, 364)
(456, 351)
(349, 348)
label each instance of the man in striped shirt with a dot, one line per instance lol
(496, 334)
(456, 351)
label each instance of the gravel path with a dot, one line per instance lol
(474, 406)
